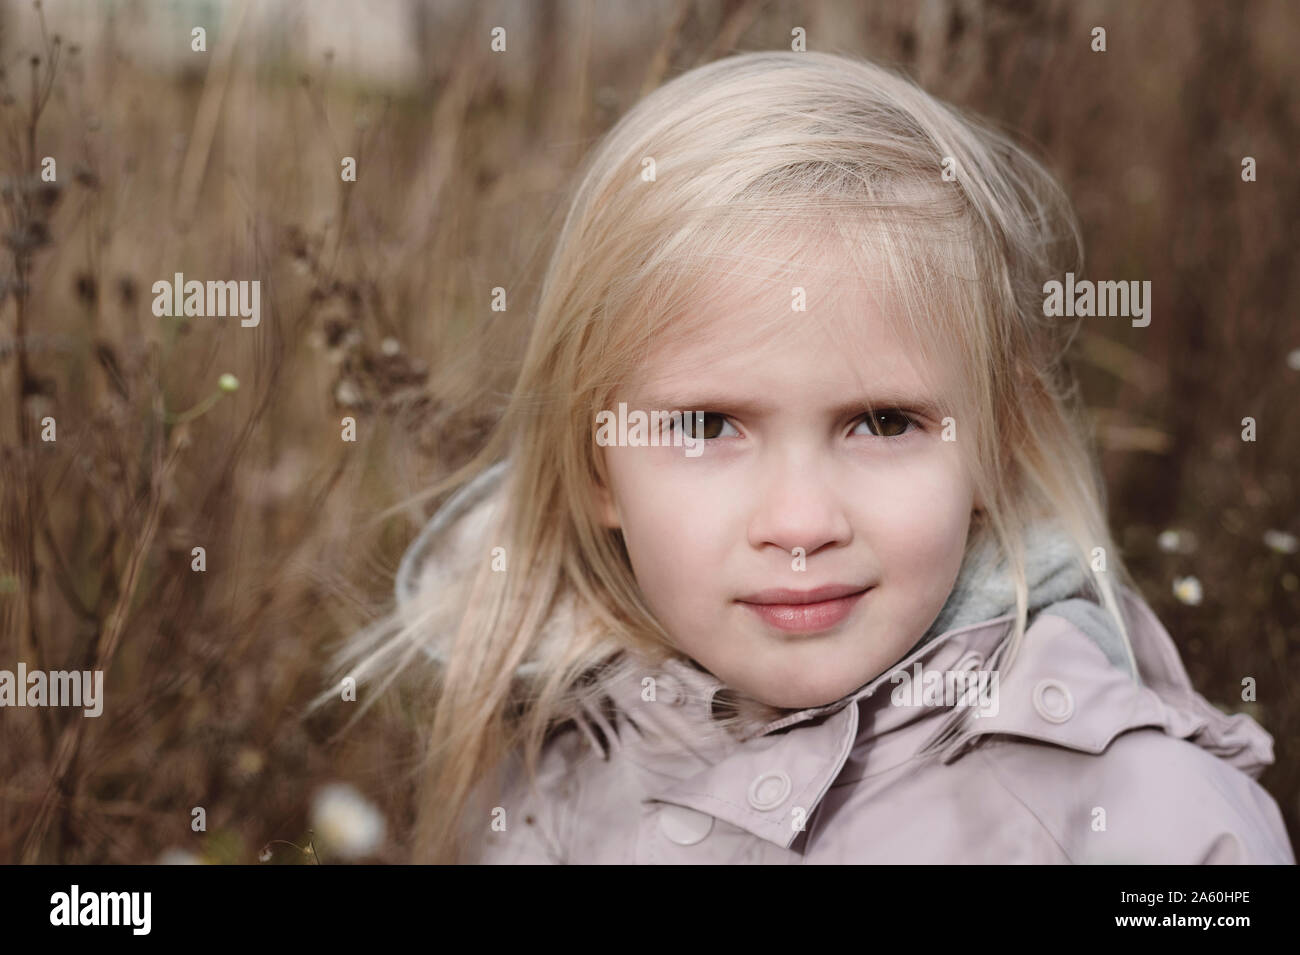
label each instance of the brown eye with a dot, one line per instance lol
(889, 423)
(710, 425)
(708, 422)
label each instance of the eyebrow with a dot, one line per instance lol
(749, 407)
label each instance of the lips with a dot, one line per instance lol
(784, 595)
(804, 611)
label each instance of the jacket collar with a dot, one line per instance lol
(771, 782)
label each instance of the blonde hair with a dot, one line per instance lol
(743, 149)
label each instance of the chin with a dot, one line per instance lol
(804, 698)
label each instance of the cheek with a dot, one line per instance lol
(673, 534)
(922, 531)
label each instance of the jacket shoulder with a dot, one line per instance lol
(1148, 798)
(1117, 755)
(1074, 684)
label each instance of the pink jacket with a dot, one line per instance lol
(1078, 764)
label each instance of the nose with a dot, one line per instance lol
(797, 505)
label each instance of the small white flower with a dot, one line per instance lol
(1281, 541)
(176, 856)
(346, 394)
(1177, 542)
(1188, 590)
(345, 822)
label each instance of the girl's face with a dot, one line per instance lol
(794, 489)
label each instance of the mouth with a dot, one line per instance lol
(809, 611)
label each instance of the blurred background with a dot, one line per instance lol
(376, 297)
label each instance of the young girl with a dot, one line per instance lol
(856, 601)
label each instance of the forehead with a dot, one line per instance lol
(807, 320)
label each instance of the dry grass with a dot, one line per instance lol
(233, 172)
